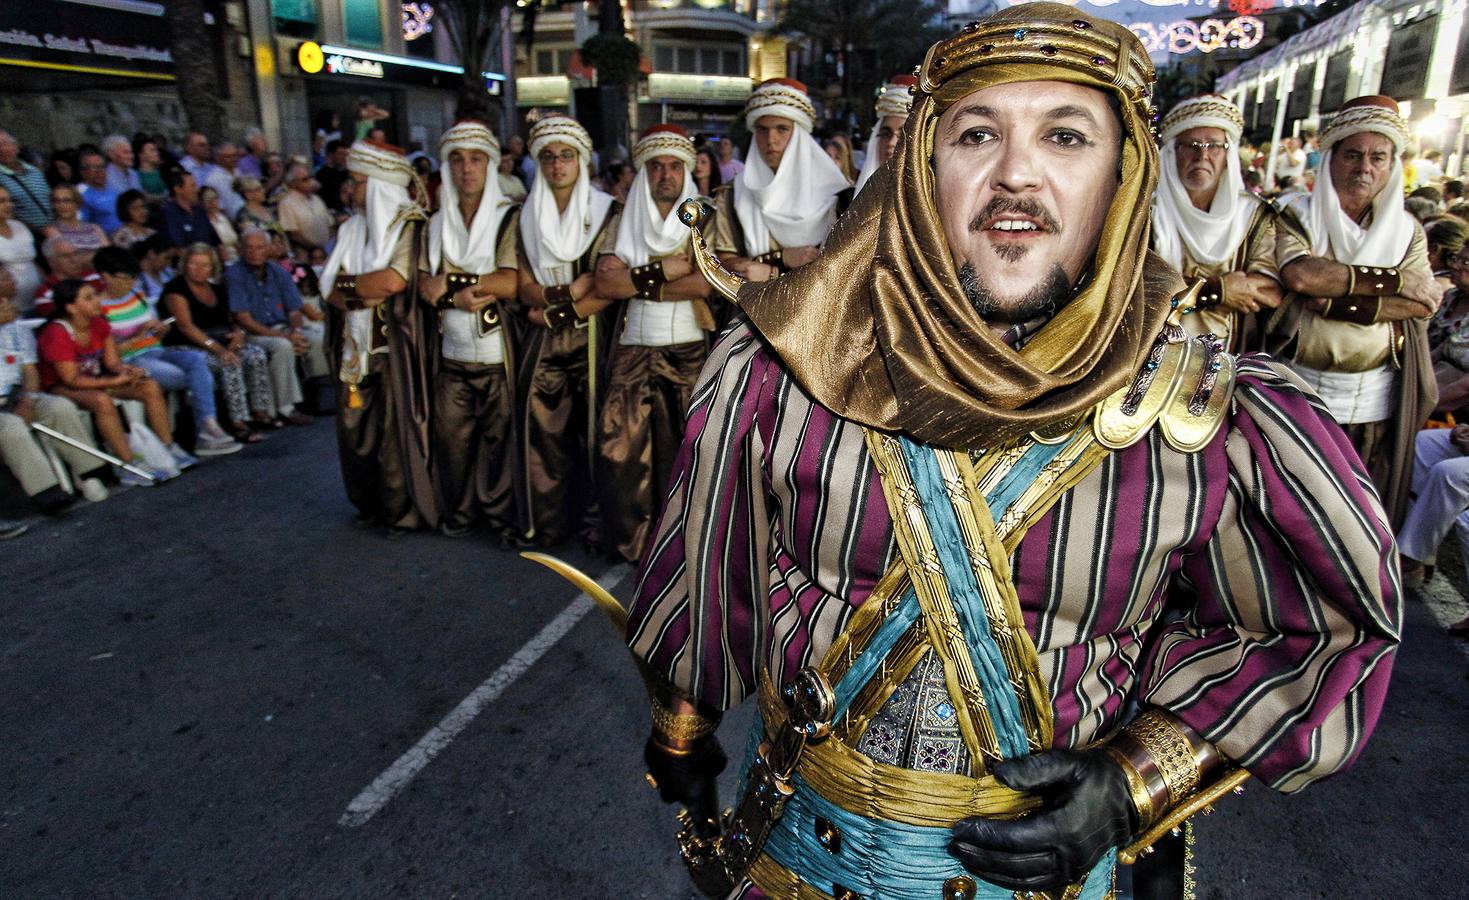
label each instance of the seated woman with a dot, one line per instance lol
(229, 239)
(1448, 336)
(79, 361)
(87, 238)
(132, 212)
(202, 319)
(139, 337)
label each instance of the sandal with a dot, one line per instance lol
(242, 433)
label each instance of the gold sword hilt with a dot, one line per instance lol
(694, 213)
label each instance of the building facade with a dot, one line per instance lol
(1415, 51)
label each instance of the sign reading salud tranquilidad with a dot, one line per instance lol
(127, 38)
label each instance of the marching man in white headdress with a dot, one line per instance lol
(469, 269)
(894, 100)
(1357, 331)
(563, 229)
(385, 357)
(776, 213)
(661, 347)
(1206, 225)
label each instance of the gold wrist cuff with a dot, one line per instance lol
(1168, 756)
(1142, 801)
(679, 726)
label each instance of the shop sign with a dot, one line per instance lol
(1459, 81)
(97, 37)
(1334, 90)
(1405, 72)
(1299, 104)
(543, 90)
(329, 61)
(671, 86)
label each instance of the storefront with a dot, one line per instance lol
(1414, 51)
(78, 70)
(418, 94)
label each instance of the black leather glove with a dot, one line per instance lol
(689, 780)
(1086, 810)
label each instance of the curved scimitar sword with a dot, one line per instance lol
(607, 603)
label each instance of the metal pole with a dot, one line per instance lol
(105, 457)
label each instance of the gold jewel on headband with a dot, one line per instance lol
(1098, 49)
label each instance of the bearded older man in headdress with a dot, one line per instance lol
(773, 217)
(987, 536)
(894, 100)
(469, 269)
(661, 346)
(1206, 225)
(1356, 327)
(564, 228)
(382, 345)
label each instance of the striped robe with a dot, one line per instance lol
(1251, 588)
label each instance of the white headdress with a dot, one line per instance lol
(893, 99)
(471, 248)
(1210, 236)
(1384, 242)
(797, 204)
(644, 234)
(554, 239)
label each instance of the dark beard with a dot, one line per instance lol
(1045, 299)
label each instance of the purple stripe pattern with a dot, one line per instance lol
(1251, 588)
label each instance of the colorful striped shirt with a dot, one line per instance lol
(1251, 589)
(130, 318)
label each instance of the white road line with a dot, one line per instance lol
(396, 777)
(1446, 604)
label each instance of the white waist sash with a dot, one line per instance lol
(1354, 397)
(463, 342)
(654, 324)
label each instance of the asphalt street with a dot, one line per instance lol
(201, 678)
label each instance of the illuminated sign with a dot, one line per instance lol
(1184, 36)
(341, 64)
(327, 60)
(698, 88)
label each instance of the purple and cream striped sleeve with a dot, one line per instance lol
(1284, 660)
(700, 617)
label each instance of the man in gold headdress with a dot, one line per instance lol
(469, 268)
(773, 217)
(1355, 325)
(564, 226)
(661, 345)
(986, 536)
(1206, 225)
(381, 342)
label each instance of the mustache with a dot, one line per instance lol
(1025, 206)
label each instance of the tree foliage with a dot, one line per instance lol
(873, 39)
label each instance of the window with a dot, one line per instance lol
(294, 17)
(663, 58)
(364, 22)
(687, 61)
(733, 64)
(545, 62)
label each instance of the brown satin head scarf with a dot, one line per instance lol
(878, 330)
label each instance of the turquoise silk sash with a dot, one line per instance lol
(954, 596)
